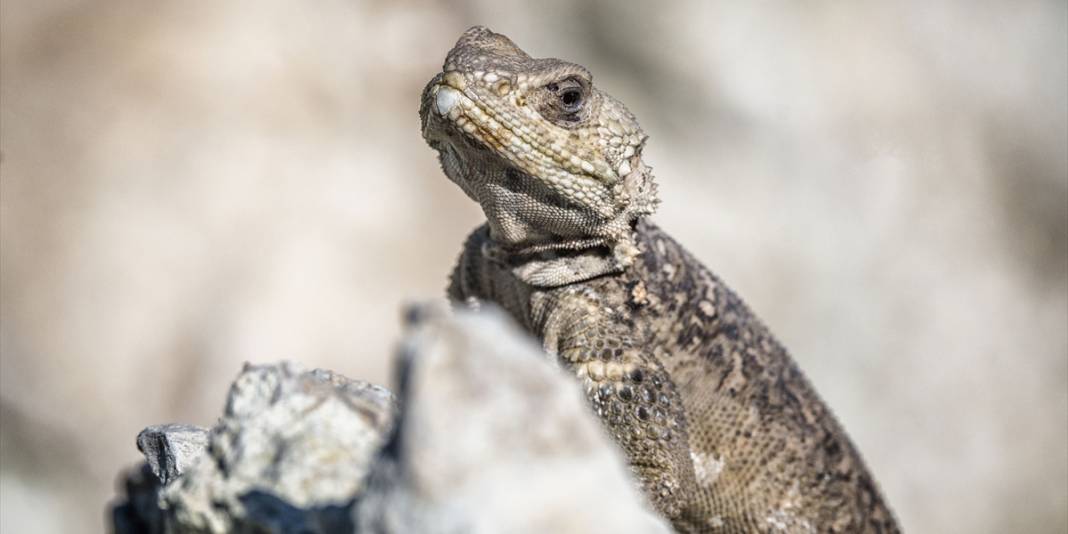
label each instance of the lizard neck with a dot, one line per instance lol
(564, 261)
(546, 241)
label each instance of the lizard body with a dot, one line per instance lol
(719, 426)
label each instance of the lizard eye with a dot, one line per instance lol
(571, 99)
(570, 96)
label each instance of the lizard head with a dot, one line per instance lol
(554, 161)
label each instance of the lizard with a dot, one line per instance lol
(721, 429)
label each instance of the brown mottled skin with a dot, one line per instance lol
(718, 424)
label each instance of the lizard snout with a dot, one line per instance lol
(446, 99)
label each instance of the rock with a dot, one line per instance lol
(139, 513)
(288, 456)
(493, 438)
(171, 449)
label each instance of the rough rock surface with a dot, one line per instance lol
(289, 455)
(492, 438)
(171, 449)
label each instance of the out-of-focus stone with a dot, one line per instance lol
(171, 449)
(492, 439)
(288, 456)
(138, 512)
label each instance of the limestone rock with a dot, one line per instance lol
(138, 512)
(288, 456)
(493, 438)
(171, 449)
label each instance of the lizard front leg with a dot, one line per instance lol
(633, 396)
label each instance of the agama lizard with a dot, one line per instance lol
(722, 430)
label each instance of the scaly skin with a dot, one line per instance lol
(719, 426)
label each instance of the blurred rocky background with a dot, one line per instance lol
(188, 185)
